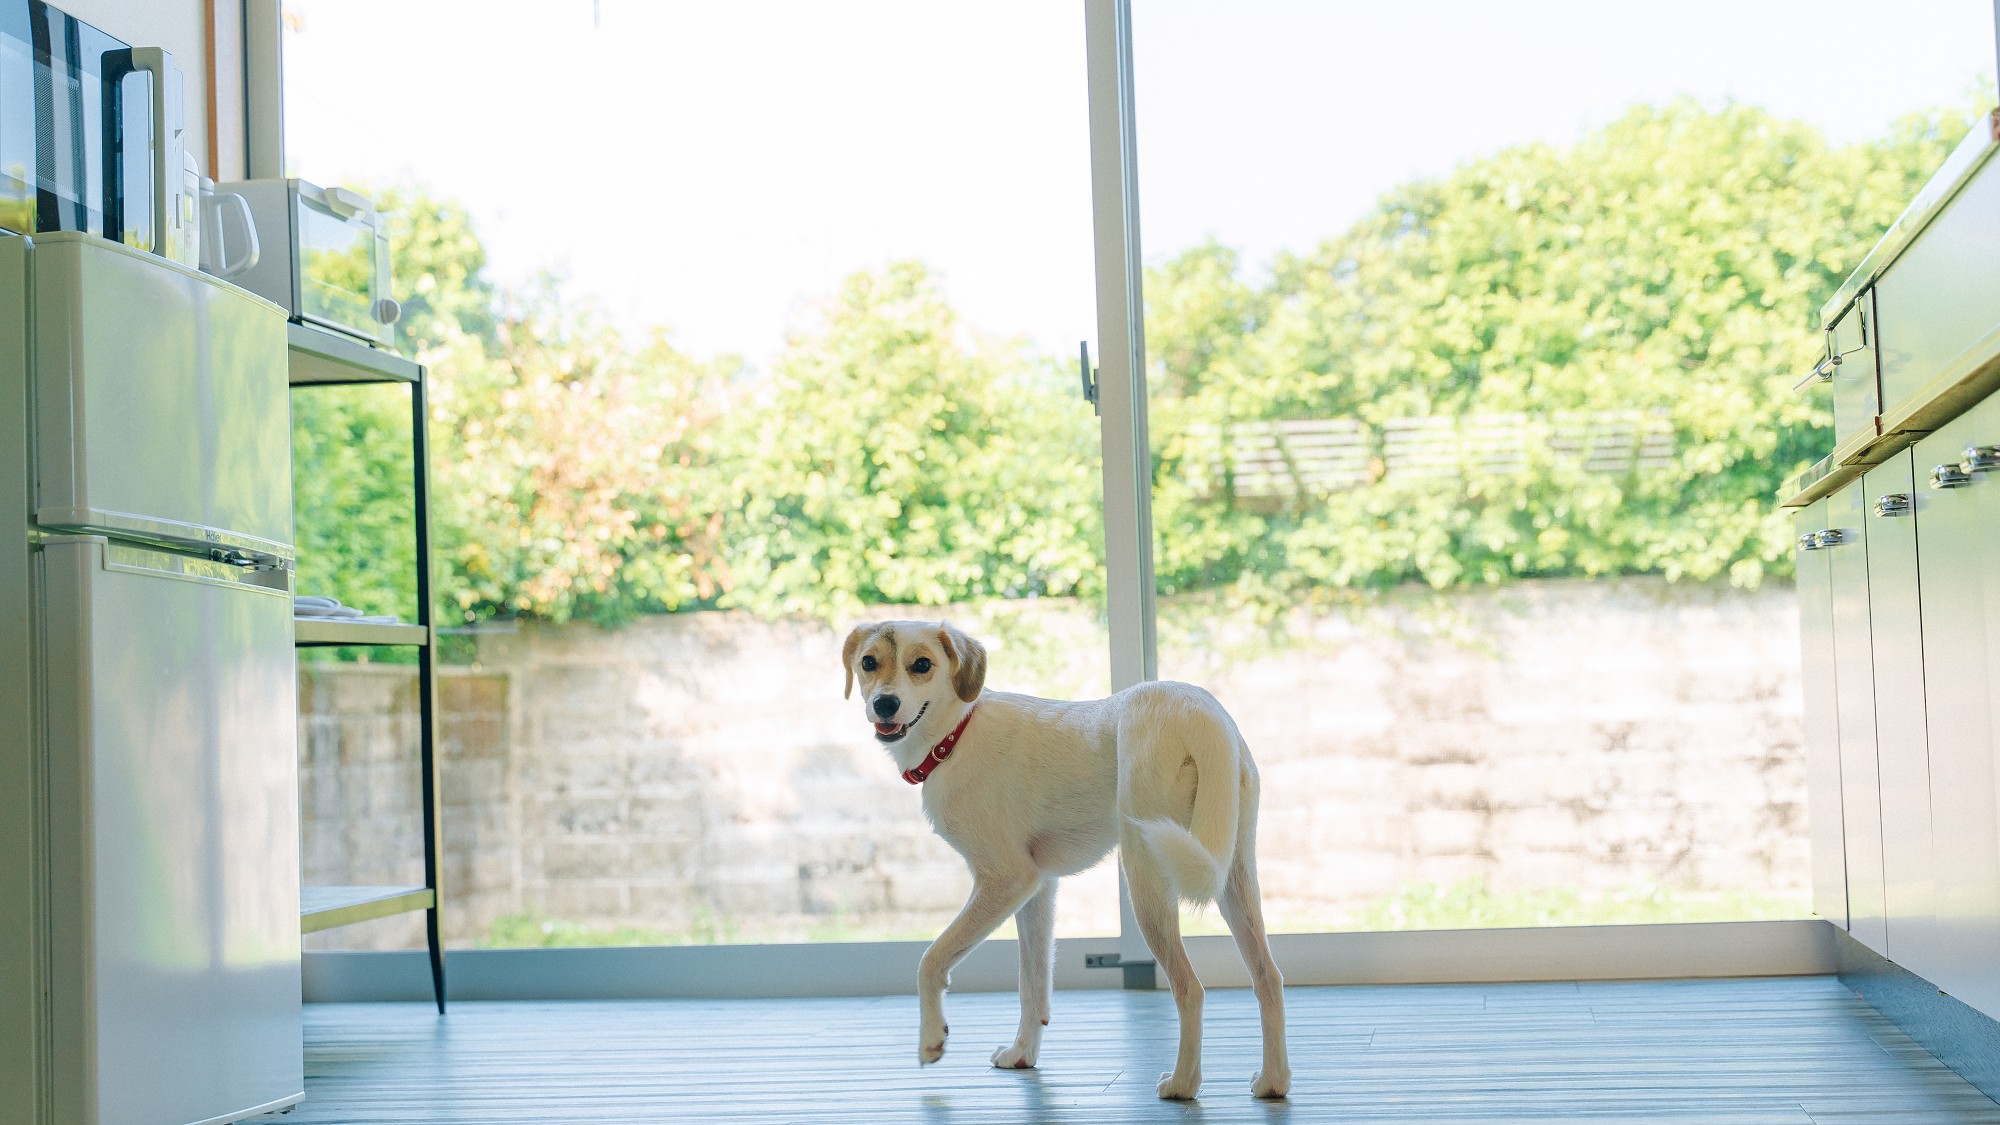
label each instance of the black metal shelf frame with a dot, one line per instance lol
(320, 358)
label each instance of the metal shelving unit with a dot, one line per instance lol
(321, 358)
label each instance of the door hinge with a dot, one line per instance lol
(1089, 376)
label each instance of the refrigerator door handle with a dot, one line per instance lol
(258, 572)
(249, 560)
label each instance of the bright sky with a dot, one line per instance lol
(718, 166)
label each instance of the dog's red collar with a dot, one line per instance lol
(916, 774)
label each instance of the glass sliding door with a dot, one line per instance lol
(748, 322)
(1470, 333)
(1443, 414)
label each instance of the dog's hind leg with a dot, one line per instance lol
(1158, 911)
(1242, 908)
(994, 896)
(1035, 923)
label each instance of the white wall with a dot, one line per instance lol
(181, 27)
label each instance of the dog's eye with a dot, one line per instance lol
(867, 664)
(922, 665)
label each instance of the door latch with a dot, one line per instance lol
(1089, 376)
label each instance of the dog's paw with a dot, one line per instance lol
(1177, 1088)
(1277, 1085)
(931, 1046)
(1018, 1057)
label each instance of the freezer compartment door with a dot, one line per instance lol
(172, 835)
(162, 406)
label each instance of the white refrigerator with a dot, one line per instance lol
(149, 849)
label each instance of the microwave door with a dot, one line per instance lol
(69, 114)
(336, 267)
(61, 194)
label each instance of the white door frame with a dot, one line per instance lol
(1121, 386)
(1542, 953)
(1803, 947)
(1121, 336)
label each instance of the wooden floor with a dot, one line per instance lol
(1800, 1049)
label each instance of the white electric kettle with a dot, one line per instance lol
(225, 231)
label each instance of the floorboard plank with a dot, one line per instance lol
(1798, 1051)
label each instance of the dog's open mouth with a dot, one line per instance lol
(893, 732)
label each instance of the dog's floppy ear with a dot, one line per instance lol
(968, 662)
(847, 650)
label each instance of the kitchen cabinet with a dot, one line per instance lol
(1941, 297)
(1958, 530)
(1844, 542)
(1889, 515)
(1823, 804)
(1899, 590)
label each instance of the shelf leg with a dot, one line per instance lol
(437, 955)
(427, 672)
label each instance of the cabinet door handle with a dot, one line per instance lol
(1894, 504)
(1950, 476)
(1833, 537)
(1809, 541)
(1822, 372)
(1980, 458)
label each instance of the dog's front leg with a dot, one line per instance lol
(1035, 923)
(994, 896)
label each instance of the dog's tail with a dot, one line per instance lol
(1195, 870)
(1197, 856)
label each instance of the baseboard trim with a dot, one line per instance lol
(1709, 949)
(1959, 1035)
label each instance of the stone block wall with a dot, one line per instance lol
(361, 796)
(700, 776)
(1592, 736)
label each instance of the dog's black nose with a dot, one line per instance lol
(885, 705)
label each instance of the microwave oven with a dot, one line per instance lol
(90, 134)
(324, 257)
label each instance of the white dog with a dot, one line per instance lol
(1029, 790)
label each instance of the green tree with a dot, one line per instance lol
(351, 480)
(440, 266)
(577, 472)
(569, 466)
(890, 459)
(1671, 263)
